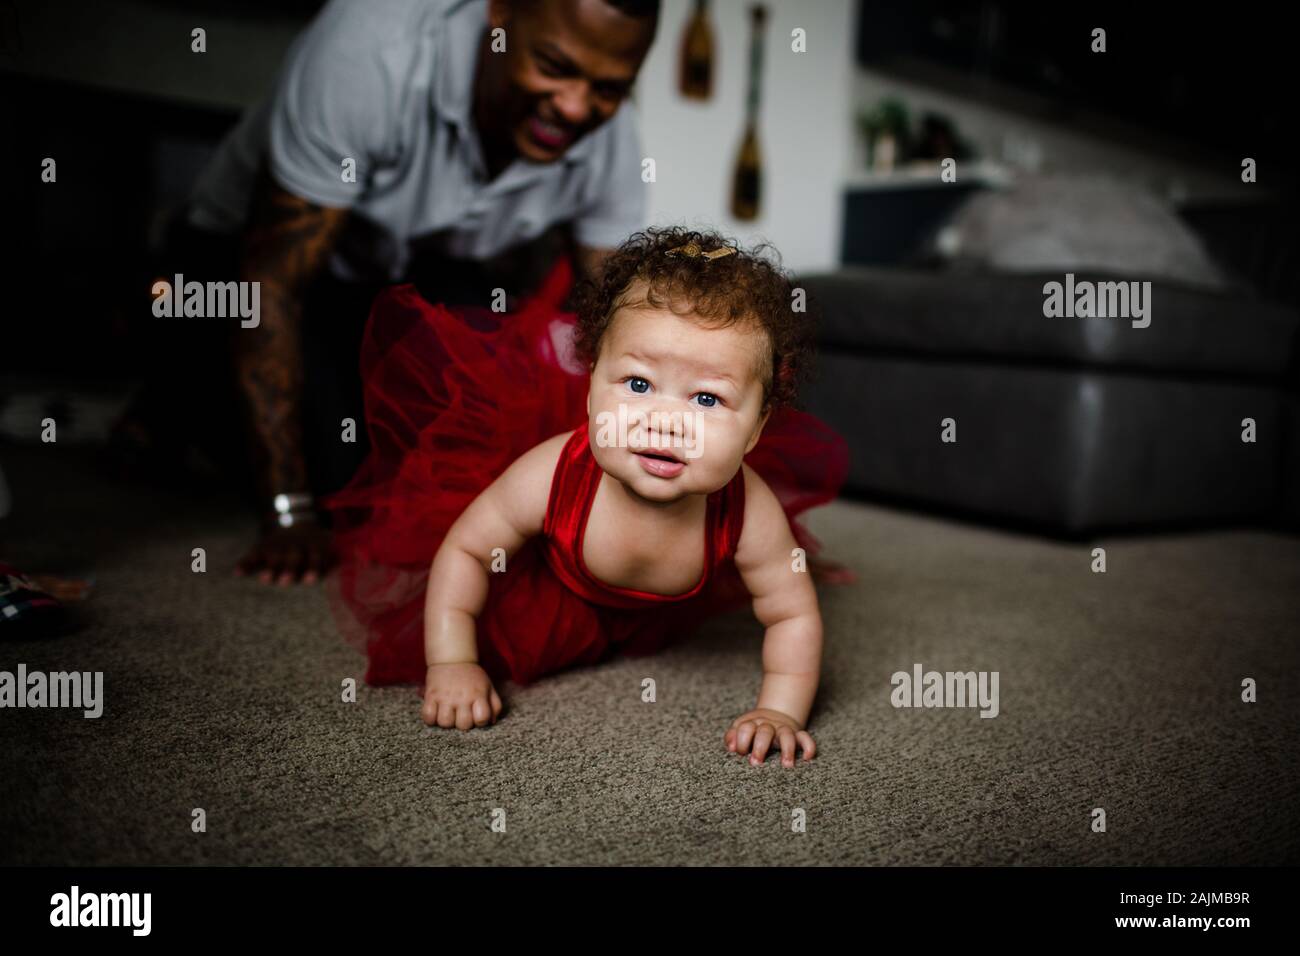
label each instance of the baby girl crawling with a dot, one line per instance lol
(628, 529)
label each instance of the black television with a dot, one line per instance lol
(1213, 86)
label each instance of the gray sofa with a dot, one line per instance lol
(1069, 425)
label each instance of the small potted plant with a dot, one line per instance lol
(885, 130)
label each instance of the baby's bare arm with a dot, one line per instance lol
(785, 602)
(505, 515)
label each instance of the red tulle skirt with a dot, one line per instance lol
(453, 397)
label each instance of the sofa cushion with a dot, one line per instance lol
(1074, 223)
(1001, 316)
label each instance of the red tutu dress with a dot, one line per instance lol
(453, 397)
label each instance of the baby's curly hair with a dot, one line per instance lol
(744, 286)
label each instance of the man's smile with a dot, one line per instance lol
(549, 135)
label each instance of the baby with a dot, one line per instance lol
(691, 344)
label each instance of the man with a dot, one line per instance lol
(405, 139)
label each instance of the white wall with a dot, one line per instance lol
(805, 126)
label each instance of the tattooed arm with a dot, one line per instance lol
(285, 244)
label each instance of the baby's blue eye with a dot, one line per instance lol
(638, 385)
(707, 400)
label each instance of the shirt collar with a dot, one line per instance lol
(453, 91)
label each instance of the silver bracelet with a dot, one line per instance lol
(293, 508)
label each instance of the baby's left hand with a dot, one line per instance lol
(760, 727)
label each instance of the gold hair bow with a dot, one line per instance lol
(692, 250)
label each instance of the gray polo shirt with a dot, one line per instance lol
(389, 84)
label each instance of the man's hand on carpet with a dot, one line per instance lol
(754, 732)
(285, 555)
(459, 695)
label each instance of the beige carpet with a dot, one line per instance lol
(1117, 690)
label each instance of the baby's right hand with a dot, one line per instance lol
(460, 696)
